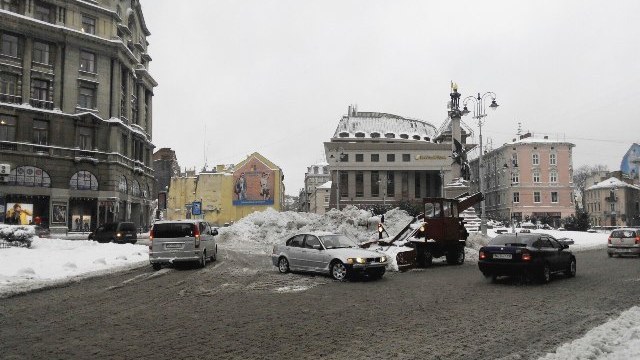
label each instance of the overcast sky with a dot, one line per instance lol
(276, 76)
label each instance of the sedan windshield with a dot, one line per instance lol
(337, 241)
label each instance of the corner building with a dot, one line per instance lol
(75, 112)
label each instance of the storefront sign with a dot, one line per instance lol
(431, 157)
(196, 208)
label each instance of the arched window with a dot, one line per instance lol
(416, 137)
(135, 188)
(83, 180)
(146, 190)
(404, 136)
(390, 135)
(122, 185)
(29, 176)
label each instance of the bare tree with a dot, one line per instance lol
(581, 174)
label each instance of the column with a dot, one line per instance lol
(57, 78)
(141, 113)
(116, 78)
(26, 71)
(149, 122)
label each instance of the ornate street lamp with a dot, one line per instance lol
(479, 113)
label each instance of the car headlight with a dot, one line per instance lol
(118, 234)
(383, 259)
(356, 261)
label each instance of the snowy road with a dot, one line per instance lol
(240, 307)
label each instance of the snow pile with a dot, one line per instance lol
(616, 339)
(52, 261)
(259, 231)
(17, 235)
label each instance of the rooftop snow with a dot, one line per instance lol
(612, 183)
(326, 185)
(364, 124)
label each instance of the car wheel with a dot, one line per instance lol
(610, 254)
(112, 240)
(456, 258)
(214, 257)
(545, 274)
(571, 270)
(339, 271)
(427, 258)
(156, 266)
(283, 265)
(203, 259)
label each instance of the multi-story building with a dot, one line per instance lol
(614, 201)
(630, 163)
(229, 193)
(165, 166)
(528, 178)
(384, 159)
(315, 176)
(76, 112)
(320, 198)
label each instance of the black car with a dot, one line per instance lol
(531, 255)
(120, 232)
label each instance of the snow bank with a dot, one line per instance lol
(617, 339)
(17, 235)
(50, 261)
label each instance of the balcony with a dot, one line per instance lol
(41, 104)
(11, 99)
(611, 199)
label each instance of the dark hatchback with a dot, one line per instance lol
(119, 232)
(532, 255)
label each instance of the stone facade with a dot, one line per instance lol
(527, 178)
(76, 109)
(315, 176)
(613, 202)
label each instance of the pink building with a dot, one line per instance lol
(528, 178)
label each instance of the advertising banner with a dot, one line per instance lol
(19, 213)
(59, 211)
(253, 184)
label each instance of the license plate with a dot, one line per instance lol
(128, 235)
(173, 246)
(502, 256)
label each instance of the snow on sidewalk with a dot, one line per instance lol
(617, 339)
(52, 261)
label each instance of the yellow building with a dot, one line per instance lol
(229, 193)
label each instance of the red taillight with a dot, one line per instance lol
(196, 235)
(526, 256)
(150, 240)
(609, 240)
(482, 255)
(637, 240)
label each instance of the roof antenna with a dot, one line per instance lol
(519, 128)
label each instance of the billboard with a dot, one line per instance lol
(253, 184)
(19, 213)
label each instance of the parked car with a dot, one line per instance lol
(182, 241)
(333, 254)
(41, 231)
(532, 255)
(119, 232)
(624, 242)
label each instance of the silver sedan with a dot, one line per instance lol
(327, 253)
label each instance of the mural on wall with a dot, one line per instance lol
(253, 184)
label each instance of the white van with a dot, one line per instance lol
(182, 241)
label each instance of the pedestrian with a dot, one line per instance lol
(382, 219)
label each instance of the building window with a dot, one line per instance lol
(391, 157)
(88, 24)
(83, 180)
(359, 157)
(326, 199)
(87, 61)
(87, 95)
(344, 184)
(391, 184)
(552, 159)
(516, 197)
(375, 157)
(40, 132)
(359, 184)
(554, 196)
(29, 176)
(135, 188)
(11, 5)
(417, 185)
(44, 12)
(9, 45)
(344, 157)
(612, 207)
(8, 84)
(84, 138)
(553, 177)
(406, 157)
(7, 128)
(515, 178)
(514, 159)
(124, 145)
(40, 90)
(375, 184)
(536, 196)
(41, 52)
(535, 159)
(134, 108)
(122, 185)
(536, 177)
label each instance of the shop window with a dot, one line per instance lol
(135, 188)
(83, 180)
(7, 128)
(122, 185)
(29, 176)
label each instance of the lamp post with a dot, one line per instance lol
(337, 160)
(479, 113)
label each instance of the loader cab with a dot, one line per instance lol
(441, 219)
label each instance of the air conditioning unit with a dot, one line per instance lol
(5, 169)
